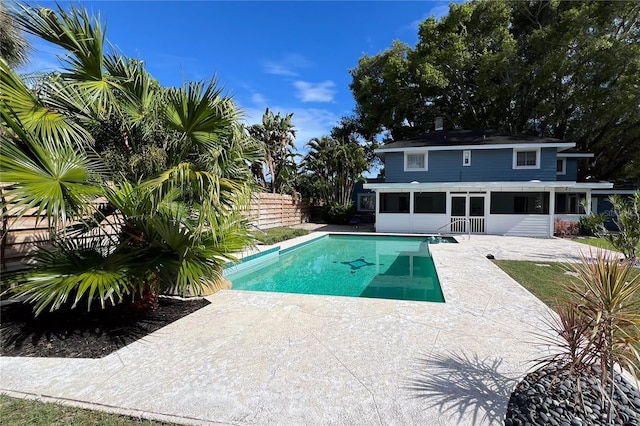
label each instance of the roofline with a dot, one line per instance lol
(614, 191)
(577, 155)
(563, 145)
(412, 186)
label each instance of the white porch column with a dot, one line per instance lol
(411, 217)
(552, 210)
(589, 206)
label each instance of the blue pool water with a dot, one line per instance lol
(387, 267)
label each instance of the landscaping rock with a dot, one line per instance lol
(549, 397)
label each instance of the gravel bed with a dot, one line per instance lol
(540, 400)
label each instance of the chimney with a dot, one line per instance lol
(439, 123)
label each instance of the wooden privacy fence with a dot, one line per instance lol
(275, 210)
(20, 237)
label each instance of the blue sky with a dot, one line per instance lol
(292, 57)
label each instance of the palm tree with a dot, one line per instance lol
(277, 136)
(13, 45)
(166, 224)
(335, 166)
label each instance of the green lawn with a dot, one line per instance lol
(543, 281)
(275, 235)
(18, 412)
(596, 242)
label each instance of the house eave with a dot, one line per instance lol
(561, 147)
(576, 155)
(485, 186)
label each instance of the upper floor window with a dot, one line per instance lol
(466, 157)
(561, 166)
(526, 158)
(415, 161)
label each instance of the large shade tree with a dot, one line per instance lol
(563, 69)
(142, 186)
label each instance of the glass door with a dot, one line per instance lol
(458, 213)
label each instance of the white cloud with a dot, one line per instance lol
(42, 57)
(315, 92)
(257, 98)
(279, 69)
(437, 11)
(287, 65)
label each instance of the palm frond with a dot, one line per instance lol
(54, 119)
(200, 113)
(73, 272)
(56, 180)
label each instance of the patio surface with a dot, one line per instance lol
(271, 358)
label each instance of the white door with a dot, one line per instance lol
(467, 213)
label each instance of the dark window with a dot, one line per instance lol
(391, 202)
(559, 166)
(459, 206)
(570, 202)
(519, 203)
(366, 202)
(429, 202)
(476, 206)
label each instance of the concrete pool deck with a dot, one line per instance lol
(272, 358)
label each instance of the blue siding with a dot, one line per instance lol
(571, 169)
(486, 165)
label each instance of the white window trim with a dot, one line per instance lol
(426, 162)
(367, 194)
(466, 154)
(564, 166)
(515, 158)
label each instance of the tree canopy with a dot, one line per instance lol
(569, 70)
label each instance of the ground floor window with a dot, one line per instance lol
(394, 202)
(519, 203)
(429, 202)
(570, 202)
(366, 202)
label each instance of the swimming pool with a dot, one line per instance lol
(388, 267)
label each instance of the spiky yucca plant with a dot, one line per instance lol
(598, 325)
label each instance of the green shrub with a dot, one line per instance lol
(276, 235)
(338, 214)
(627, 219)
(590, 225)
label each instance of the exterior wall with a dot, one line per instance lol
(534, 225)
(601, 204)
(486, 165)
(568, 217)
(571, 169)
(411, 222)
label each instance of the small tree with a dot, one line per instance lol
(598, 325)
(627, 219)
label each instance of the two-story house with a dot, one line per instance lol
(480, 181)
